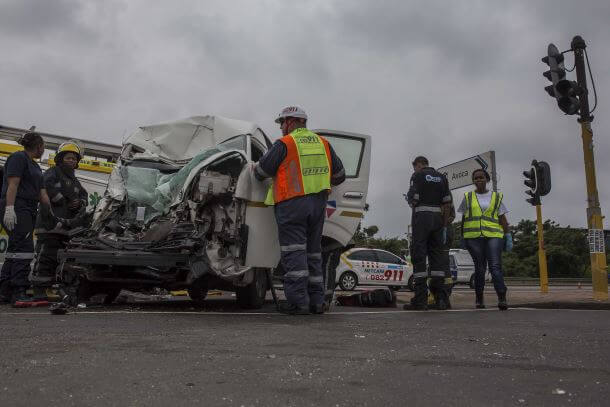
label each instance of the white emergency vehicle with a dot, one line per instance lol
(363, 266)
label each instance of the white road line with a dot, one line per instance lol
(216, 313)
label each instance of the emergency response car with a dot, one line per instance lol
(362, 266)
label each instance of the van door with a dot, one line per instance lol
(346, 203)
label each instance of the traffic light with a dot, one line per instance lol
(556, 72)
(538, 180)
(567, 96)
(532, 183)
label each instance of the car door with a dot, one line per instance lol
(346, 203)
(365, 266)
(394, 271)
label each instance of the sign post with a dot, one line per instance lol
(459, 174)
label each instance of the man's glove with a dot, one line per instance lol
(10, 218)
(444, 235)
(508, 242)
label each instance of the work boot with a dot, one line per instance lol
(21, 299)
(480, 303)
(415, 306)
(5, 293)
(316, 309)
(443, 304)
(291, 309)
(502, 304)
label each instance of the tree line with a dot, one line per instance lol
(567, 248)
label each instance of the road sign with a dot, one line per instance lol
(459, 174)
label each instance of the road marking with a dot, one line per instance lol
(274, 313)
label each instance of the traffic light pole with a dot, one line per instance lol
(544, 275)
(599, 268)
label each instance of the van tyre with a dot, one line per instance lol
(253, 295)
(330, 261)
(471, 283)
(348, 281)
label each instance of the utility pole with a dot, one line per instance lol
(599, 268)
(573, 98)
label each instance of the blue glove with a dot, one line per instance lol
(444, 235)
(508, 242)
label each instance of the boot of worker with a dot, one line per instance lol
(419, 302)
(5, 293)
(479, 302)
(21, 299)
(40, 298)
(285, 307)
(502, 304)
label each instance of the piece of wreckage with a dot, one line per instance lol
(184, 210)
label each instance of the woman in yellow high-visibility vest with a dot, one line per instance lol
(485, 233)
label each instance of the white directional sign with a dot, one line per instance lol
(459, 174)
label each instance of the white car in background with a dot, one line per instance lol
(462, 267)
(362, 266)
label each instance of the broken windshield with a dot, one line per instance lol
(151, 190)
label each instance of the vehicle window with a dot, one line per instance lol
(257, 149)
(364, 255)
(463, 259)
(349, 151)
(237, 143)
(452, 261)
(388, 258)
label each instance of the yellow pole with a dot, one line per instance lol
(544, 275)
(599, 268)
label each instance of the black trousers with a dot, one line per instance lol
(20, 249)
(43, 274)
(300, 222)
(427, 249)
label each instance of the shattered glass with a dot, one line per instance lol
(150, 192)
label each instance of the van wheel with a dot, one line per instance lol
(198, 291)
(330, 261)
(471, 283)
(394, 287)
(348, 281)
(253, 295)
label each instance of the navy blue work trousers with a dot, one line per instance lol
(300, 222)
(20, 248)
(487, 251)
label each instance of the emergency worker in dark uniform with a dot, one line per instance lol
(22, 189)
(68, 202)
(303, 166)
(430, 200)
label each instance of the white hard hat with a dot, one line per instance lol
(291, 111)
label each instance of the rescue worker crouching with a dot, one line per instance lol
(430, 200)
(68, 202)
(303, 166)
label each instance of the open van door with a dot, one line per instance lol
(346, 203)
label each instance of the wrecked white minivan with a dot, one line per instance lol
(183, 210)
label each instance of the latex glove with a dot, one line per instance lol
(10, 218)
(444, 235)
(508, 242)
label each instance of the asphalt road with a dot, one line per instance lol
(153, 355)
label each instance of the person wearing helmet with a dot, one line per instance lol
(68, 202)
(22, 190)
(303, 166)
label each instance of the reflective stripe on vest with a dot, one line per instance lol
(305, 170)
(482, 224)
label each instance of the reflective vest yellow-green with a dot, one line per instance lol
(306, 169)
(482, 224)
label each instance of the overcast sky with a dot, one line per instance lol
(444, 79)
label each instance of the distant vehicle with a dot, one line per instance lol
(362, 266)
(462, 267)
